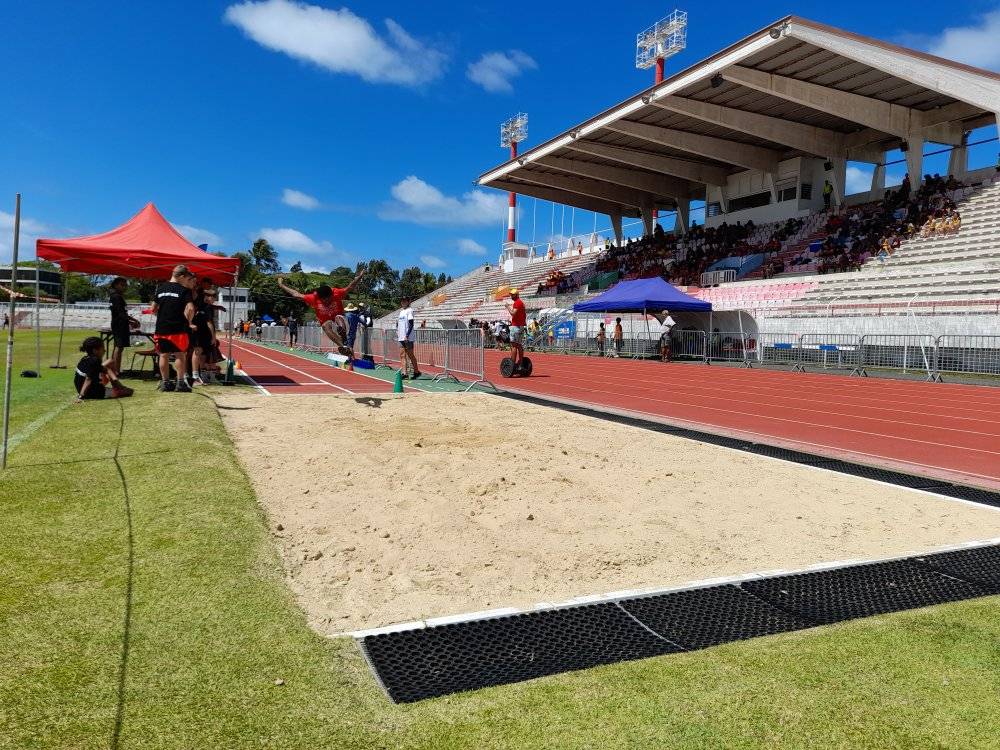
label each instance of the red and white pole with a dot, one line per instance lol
(512, 199)
(659, 80)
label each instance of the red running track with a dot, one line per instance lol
(943, 430)
(278, 372)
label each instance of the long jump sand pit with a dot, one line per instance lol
(399, 509)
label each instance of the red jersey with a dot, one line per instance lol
(519, 317)
(324, 311)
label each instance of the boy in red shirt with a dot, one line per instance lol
(328, 304)
(518, 319)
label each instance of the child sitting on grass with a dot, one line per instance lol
(93, 371)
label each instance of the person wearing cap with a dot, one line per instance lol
(518, 319)
(351, 311)
(173, 305)
(406, 335)
(121, 322)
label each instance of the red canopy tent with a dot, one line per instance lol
(146, 246)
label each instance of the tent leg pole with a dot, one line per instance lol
(229, 380)
(62, 324)
(38, 316)
(10, 331)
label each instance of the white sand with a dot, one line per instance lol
(434, 505)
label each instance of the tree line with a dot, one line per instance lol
(381, 288)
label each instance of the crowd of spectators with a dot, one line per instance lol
(877, 229)
(640, 258)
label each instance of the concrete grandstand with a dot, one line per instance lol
(762, 132)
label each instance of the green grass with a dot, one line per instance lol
(212, 626)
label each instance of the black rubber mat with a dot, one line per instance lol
(913, 481)
(707, 617)
(979, 565)
(828, 596)
(418, 664)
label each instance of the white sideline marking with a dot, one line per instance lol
(289, 367)
(617, 596)
(32, 427)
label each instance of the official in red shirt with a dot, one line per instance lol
(518, 319)
(328, 304)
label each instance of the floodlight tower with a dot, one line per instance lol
(512, 132)
(663, 39)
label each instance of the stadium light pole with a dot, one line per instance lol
(513, 131)
(654, 45)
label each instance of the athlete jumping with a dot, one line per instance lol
(328, 304)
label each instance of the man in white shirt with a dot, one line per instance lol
(405, 335)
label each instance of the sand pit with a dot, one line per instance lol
(427, 506)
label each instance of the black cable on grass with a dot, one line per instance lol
(126, 635)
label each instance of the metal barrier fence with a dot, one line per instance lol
(976, 354)
(456, 354)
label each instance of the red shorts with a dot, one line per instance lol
(171, 343)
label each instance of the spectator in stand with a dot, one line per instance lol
(579, 248)
(618, 337)
(92, 371)
(601, 337)
(121, 322)
(173, 305)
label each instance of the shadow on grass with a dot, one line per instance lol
(127, 630)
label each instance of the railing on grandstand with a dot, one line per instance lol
(714, 278)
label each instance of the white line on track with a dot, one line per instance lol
(762, 437)
(293, 369)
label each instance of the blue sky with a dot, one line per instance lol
(342, 132)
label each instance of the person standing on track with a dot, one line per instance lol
(518, 319)
(328, 304)
(405, 334)
(619, 335)
(293, 331)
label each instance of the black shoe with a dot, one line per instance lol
(416, 375)
(165, 386)
(183, 387)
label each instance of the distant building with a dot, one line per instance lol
(242, 305)
(50, 282)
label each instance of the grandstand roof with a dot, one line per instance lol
(796, 87)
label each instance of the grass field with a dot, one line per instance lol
(143, 607)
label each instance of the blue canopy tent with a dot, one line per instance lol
(643, 296)
(647, 296)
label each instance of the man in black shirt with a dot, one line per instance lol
(121, 321)
(293, 331)
(174, 308)
(203, 338)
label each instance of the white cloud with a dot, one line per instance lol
(977, 44)
(292, 240)
(298, 199)
(31, 230)
(494, 70)
(338, 41)
(858, 180)
(421, 203)
(470, 247)
(432, 261)
(294, 243)
(197, 236)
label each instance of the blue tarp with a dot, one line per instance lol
(649, 295)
